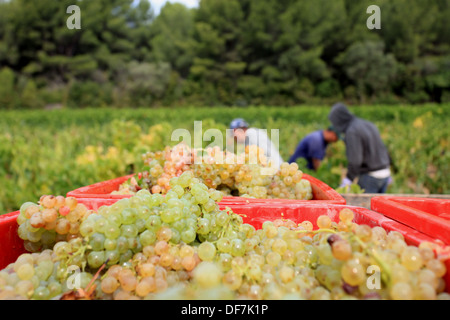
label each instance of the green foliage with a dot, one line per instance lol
(7, 93)
(224, 52)
(366, 64)
(353, 188)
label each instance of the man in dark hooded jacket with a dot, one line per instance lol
(367, 156)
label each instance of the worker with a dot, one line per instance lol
(313, 147)
(244, 135)
(367, 156)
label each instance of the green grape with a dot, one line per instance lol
(203, 226)
(273, 258)
(147, 237)
(114, 218)
(25, 271)
(143, 212)
(224, 245)
(225, 261)
(202, 197)
(175, 236)
(156, 200)
(411, 258)
(44, 269)
(237, 247)
(143, 193)
(279, 246)
(286, 274)
(153, 222)
(207, 275)
(179, 190)
(206, 251)
(402, 291)
(188, 235)
(96, 258)
(54, 288)
(325, 254)
(129, 216)
(167, 216)
(24, 288)
(112, 256)
(140, 225)
(122, 244)
(353, 272)
(97, 241)
(222, 218)
(210, 205)
(101, 224)
(185, 179)
(41, 293)
(311, 254)
(110, 244)
(128, 230)
(87, 228)
(48, 237)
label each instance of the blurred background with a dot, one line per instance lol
(78, 106)
(222, 52)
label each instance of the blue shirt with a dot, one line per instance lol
(312, 146)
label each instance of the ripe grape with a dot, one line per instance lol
(223, 171)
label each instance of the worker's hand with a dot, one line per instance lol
(390, 180)
(345, 182)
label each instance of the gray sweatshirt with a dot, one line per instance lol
(365, 150)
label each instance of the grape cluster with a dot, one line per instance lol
(247, 174)
(164, 165)
(288, 183)
(215, 168)
(53, 219)
(182, 246)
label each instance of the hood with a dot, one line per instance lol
(340, 117)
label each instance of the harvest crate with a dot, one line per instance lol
(11, 246)
(364, 199)
(427, 215)
(255, 215)
(322, 193)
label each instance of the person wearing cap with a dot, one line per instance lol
(244, 135)
(367, 156)
(313, 147)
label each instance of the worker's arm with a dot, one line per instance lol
(316, 163)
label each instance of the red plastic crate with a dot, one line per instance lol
(11, 246)
(256, 213)
(101, 190)
(322, 193)
(427, 215)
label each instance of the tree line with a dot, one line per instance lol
(224, 52)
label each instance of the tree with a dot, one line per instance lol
(172, 37)
(7, 88)
(369, 67)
